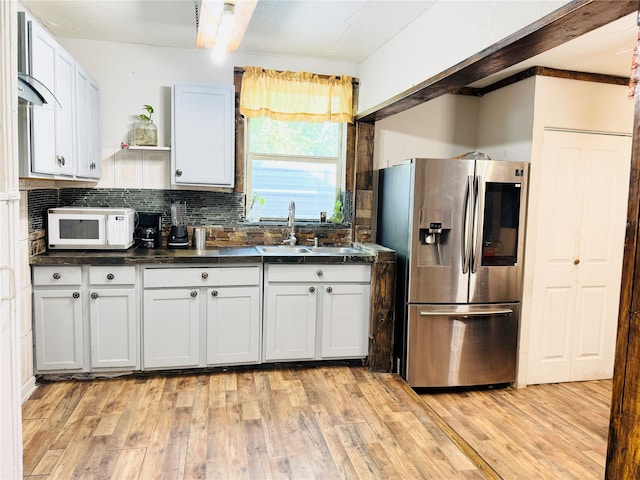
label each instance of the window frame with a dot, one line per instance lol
(340, 161)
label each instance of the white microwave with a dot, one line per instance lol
(90, 228)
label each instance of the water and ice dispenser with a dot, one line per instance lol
(434, 238)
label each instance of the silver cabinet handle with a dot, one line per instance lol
(194, 293)
(110, 276)
(56, 276)
(75, 295)
(204, 275)
(312, 289)
(60, 160)
(319, 273)
(94, 295)
(92, 166)
(214, 293)
(329, 289)
(178, 173)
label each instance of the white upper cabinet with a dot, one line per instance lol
(202, 135)
(57, 142)
(88, 125)
(52, 130)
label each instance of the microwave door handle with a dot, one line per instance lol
(107, 221)
(478, 224)
(466, 225)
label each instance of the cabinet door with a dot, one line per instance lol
(233, 325)
(171, 328)
(203, 135)
(88, 155)
(53, 130)
(345, 320)
(43, 67)
(290, 322)
(58, 329)
(113, 327)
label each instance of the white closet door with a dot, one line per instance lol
(578, 258)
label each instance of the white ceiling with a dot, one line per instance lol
(338, 30)
(329, 29)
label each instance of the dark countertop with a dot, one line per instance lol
(211, 255)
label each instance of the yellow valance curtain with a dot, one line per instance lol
(296, 96)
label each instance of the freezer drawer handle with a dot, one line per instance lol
(497, 311)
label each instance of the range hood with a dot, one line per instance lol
(34, 92)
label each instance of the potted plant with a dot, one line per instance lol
(254, 207)
(145, 133)
(337, 216)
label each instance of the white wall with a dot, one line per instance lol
(133, 75)
(446, 34)
(442, 128)
(505, 122)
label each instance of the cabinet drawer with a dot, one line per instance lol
(112, 275)
(57, 275)
(201, 276)
(318, 273)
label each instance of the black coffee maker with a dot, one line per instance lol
(148, 233)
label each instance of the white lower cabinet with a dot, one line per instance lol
(290, 322)
(233, 325)
(126, 318)
(345, 320)
(85, 318)
(171, 328)
(113, 317)
(57, 317)
(316, 311)
(199, 316)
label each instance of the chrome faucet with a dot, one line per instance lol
(291, 223)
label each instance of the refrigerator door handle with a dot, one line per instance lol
(497, 311)
(467, 225)
(478, 213)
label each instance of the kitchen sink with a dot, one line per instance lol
(300, 250)
(335, 250)
(283, 249)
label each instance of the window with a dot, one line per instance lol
(299, 161)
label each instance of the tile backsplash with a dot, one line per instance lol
(222, 213)
(203, 208)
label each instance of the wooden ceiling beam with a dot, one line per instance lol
(568, 22)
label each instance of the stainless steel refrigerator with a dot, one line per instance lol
(457, 226)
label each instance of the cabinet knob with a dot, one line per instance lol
(178, 173)
(75, 295)
(205, 275)
(110, 276)
(319, 273)
(94, 295)
(312, 289)
(56, 276)
(194, 293)
(329, 289)
(60, 160)
(214, 293)
(92, 166)
(576, 261)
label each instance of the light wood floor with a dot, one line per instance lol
(310, 423)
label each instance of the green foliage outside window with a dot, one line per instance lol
(271, 137)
